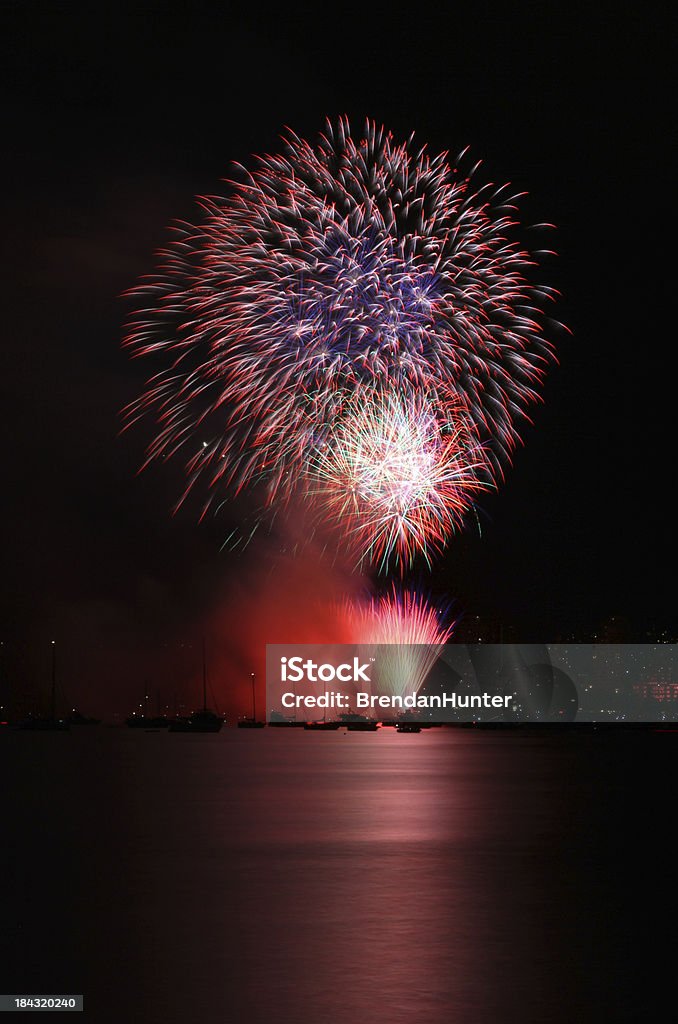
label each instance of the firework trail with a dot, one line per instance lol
(408, 633)
(355, 264)
(397, 477)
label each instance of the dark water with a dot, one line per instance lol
(284, 876)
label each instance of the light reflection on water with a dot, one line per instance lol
(284, 876)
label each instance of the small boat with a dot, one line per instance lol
(147, 722)
(252, 723)
(408, 727)
(203, 720)
(322, 726)
(200, 721)
(358, 723)
(46, 723)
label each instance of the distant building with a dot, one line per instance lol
(657, 690)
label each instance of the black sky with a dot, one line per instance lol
(115, 119)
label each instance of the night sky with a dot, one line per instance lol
(113, 123)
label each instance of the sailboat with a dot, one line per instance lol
(51, 723)
(203, 720)
(251, 723)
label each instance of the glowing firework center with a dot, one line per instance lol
(398, 479)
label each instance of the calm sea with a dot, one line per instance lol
(281, 876)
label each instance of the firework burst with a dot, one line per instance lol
(356, 263)
(409, 633)
(397, 478)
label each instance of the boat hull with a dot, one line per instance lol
(198, 722)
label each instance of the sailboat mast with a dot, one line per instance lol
(204, 677)
(53, 702)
